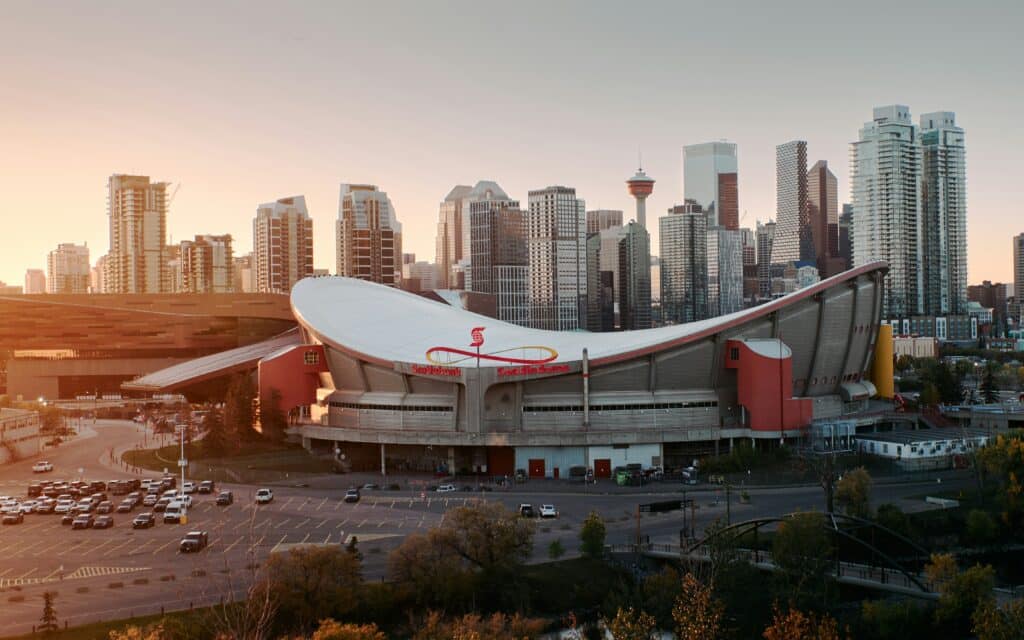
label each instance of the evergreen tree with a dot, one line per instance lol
(989, 395)
(48, 622)
(273, 421)
(238, 413)
(215, 442)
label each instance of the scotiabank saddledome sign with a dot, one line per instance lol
(528, 360)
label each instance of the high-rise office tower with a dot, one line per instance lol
(35, 281)
(823, 217)
(207, 265)
(499, 260)
(725, 271)
(765, 239)
(943, 214)
(751, 284)
(368, 235)
(634, 278)
(556, 228)
(453, 229)
(243, 274)
(282, 244)
(1018, 278)
(683, 257)
(600, 289)
(601, 219)
(793, 237)
(886, 189)
(137, 210)
(449, 233)
(845, 234)
(710, 180)
(640, 186)
(67, 269)
(98, 275)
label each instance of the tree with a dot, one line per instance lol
(989, 393)
(797, 625)
(929, 395)
(892, 517)
(802, 550)
(238, 414)
(215, 441)
(432, 572)
(853, 492)
(697, 614)
(980, 528)
(273, 421)
(556, 550)
(133, 632)
(658, 593)
(50, 420)
(48, 621)
(592, 536)
(960, 592)
(631, 625)
(312, 584)
(330, 629)
(894, 620)
(1003, 460)
(487, 536)
(992, 622)
(473, 626)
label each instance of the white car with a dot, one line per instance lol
(264, 496)
(446, 488)
(64, 506)
(42, 467)
(188, 487)
(548, 511)
(29, 506)
(10, 506)
(184, 498)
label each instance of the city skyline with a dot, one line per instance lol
(210, 128)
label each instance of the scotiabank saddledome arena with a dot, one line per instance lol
(422, 385)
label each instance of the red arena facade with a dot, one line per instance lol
(383, 376)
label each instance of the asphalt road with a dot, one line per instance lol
(116, 573)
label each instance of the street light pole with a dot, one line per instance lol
(181, 461)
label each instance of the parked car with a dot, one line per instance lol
(68, 518)
(14, 518)
(42, 467)
(135, 497)
(161, 505)
(225, 498)
(46, 506)
(264, 496)
(126, 506)
(82, 521)
(143, 521)
(526, 510)
(174, 512)
(105, 507)
(149, 500)
(206, 486)
(188, 487)
(447, 488)
(103, 522)
(352, 495)
(194, 541)
(548, 511)
(35, 490)
(369, 486)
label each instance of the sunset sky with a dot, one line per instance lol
(246, 102)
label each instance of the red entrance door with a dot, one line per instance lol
(537, 468)
(603, 468)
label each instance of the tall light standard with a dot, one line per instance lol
(182, 462)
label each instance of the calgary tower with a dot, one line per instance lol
(641, 186)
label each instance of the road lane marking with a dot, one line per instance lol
(327, 539)
(322, 523)
(321, 505)
(233, 544)
(363, 523)
(162, 547)
(306, 538)
(282, 523)
(112, 550)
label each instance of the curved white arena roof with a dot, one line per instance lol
(386, 325)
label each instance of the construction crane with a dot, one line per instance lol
(173, 193)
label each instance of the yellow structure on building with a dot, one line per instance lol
(882, 367)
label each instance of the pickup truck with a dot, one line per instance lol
(42, 467)
(194, 541)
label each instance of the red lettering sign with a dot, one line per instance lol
(433, 370)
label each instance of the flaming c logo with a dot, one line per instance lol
(449, 356)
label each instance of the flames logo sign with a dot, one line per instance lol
(526, 355)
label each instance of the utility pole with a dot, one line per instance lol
(728, 504)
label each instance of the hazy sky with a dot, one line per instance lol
(246, 102)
